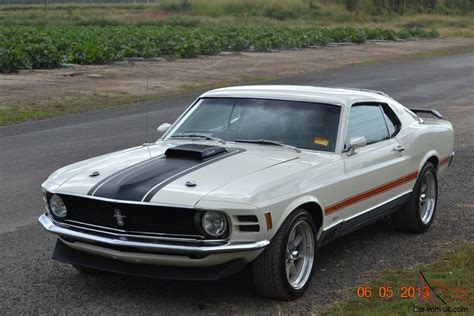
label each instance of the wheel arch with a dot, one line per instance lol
(308, 203)
(435, 161)
(431, 156)
(316, 212)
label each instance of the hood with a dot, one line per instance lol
(179, 177)
(155, 175)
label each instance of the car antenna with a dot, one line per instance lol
(147, 143)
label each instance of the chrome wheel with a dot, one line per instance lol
(299, 254)
(427, 197)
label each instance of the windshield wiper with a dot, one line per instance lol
(197, 135)
(267, 142)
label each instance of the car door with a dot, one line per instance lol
(374, 172)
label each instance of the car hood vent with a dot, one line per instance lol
(194, 151)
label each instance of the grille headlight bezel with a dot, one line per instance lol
(45, 198)
(57, 208)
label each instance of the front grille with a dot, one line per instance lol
(136, 218)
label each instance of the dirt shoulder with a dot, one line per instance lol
(39, 94)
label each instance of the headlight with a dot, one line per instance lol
(57, 207)
(214, 223)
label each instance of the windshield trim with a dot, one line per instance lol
(190, 109)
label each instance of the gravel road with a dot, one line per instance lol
(32, 283)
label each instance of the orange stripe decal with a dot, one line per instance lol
(445, 160)
(370, 193)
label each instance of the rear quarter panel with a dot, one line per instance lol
(427, 138)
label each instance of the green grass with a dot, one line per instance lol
(301, 13)
(274, 9)
(303, 7)
(451, 276)
(55, 107)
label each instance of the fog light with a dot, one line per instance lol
(57, 207)
(214, 223)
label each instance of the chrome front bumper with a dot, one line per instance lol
(149, 245)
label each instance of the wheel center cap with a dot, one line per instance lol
(423, 197)
(294, 254)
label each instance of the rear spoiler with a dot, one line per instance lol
(429, 111)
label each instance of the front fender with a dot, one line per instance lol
(293, 205)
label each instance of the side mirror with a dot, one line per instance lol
(163, 128)
(356, 142)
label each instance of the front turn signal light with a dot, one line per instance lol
(268, 220)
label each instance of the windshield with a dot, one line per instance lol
(301, 124)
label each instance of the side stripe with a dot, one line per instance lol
(370, 193)
(445, 160)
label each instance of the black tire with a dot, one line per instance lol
(268, 270)
(86, 270)
(408, 219)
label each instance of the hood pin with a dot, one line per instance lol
(191, 183)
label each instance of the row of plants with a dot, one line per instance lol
(25, 47)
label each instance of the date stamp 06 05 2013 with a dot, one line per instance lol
(426, 296)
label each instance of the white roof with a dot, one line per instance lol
(338, 96)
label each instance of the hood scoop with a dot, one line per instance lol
(194, 151)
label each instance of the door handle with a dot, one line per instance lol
(399, 149)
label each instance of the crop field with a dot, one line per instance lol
(82, 78)
(48, 47)
(33, 38)
(94, 37)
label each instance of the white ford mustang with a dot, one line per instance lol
(259, 174)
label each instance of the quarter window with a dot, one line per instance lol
(367, 121)
(393, 124)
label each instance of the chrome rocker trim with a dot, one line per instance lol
(158, 247)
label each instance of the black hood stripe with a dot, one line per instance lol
(108, 178)
(149, 195)
(142, 181)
